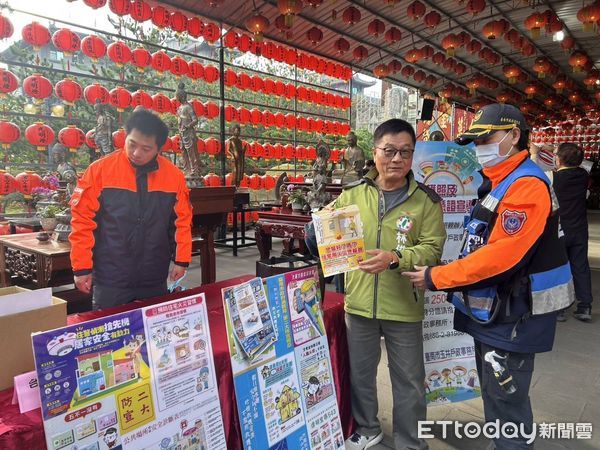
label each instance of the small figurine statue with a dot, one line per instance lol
(235, 148)
(187, 122)
(66, 172)
(354, 160)
(318, 197)
(103, 130)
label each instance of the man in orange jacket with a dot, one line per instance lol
(131, 219)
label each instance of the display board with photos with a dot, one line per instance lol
(282, 370)
(138, 379)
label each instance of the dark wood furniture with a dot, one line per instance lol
(29, 223)
(210, 207)
(285, 224)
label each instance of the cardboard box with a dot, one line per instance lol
(15, 335)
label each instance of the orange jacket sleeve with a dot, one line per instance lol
(529, 202)
(84, 207)
(183, 226)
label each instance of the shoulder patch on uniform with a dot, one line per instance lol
(435, 198)
(354, 184)
(513, 221)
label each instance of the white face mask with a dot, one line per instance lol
(488, 155)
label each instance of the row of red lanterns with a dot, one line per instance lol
(25, 182)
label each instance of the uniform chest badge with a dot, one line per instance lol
(404, 224)
(513, 221)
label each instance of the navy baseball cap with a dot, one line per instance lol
(492, 118)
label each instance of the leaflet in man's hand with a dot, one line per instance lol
(340, 239)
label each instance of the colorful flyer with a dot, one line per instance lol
(340, 239)
(304, 297)
(138, 379)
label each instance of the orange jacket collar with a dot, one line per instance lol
(497, 173)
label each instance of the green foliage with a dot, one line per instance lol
(49, 211)
(365, 141)
(297, 195)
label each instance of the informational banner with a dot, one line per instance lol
(450, 371)
(139, 379)
(285, 395)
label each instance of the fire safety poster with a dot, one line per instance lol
(139, 379)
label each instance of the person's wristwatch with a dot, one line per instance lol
(395, 264)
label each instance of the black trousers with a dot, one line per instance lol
(577, 250)
(497, 404)
(105, 296)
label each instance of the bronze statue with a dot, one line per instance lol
(354, 160)
(236, 149)
(318, 197)
(66, 172)
(103, 130)
(187, 122)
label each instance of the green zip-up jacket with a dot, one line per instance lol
(419, 220)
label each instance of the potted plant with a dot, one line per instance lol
(47, 215)
(296, 198)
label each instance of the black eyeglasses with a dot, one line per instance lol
(390, 152)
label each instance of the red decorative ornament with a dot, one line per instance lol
(376, 27)
(315, 3)
(474, 47)
(120, 7)
(178, 22)
(211, 74)
(589, 15)
(578, 60)
(407, 71)
(36, 34)
(120, 98)
(419, 76)
(8, 184)
(439, 58)
(8, 82)
(119, 53)
(39, 135)
(141, 58)
(394, 66)
(542, 66)
(38, 87)
(475, 6)
(179, 66)
(140, 11)
(493, 30)
(314, 35)
(560, 84)
(351, 15)
(213, 147)
(161, 17)
(212, 110)
(531, 90)
(244, 115)
(9, 133)
(567, 43)
(161, 61)
(66, 41)
(27, 181)
(93, 47)
(360, 53)
(450, 43)
(95, 4)
(534, 23)
(511, 72)
(195, 27)
(289, 9)
(68, 91)
(71, 137)
(244, 81)
(211, 33)
(96, 93)
(393, 35)
(432, 19)
(168, 146)
(231, 39)
(195, 70)
(416, 10)
(230, 113)
(119, 137)
(257, 24)
(161, 103)
(89, 140)
(591, 79)
(6, 27)
(413, 55)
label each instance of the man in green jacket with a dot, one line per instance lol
(403, 228)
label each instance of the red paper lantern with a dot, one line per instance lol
(289, 8)
(195, 27)
(175, 104)
(68, 91)
(198, 107)
(534, 23)
(8, 82)
(416, 10)
(351, 15)
(589, 15)
(176, 144)
(27, 181)
(89, 139)
(161, 103)
(120, 98)
(511, 72)
(119, 53)
(120, 7)
(211, 74)
(9, 133)
(257, 24)
(231, 39)
(96, 92)
(381, 71)
(376, 27)
(179, 66)
(432, 19)
(119, 138)
(255, 182)
(392, 35)
(244, 81)
(493, 30)
(360, 53)
(230, 79)
(212, 146)
(66, 41)
(244, 115)
(256, 117)
(314, 35)
(38, 87)
(475, 6)
(211, 33)
(168, 146)
(141, 58)
(212, 110)
(578, 60)
(567, 43)
(93, 47)
(161, 17)
(230, 114)
(290, 121)
(95, 4)
(450, 43)
(8, 184)
(71, 137)
(212, 180)
(195, 70)
(474, 47)
(140, 11)
(161, 61)
(36, 34)
(179, 22)
(6, 27)
(39, 135)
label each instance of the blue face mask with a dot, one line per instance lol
(488, 155)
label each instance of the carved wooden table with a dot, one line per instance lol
(26, 261)
(285, 224)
